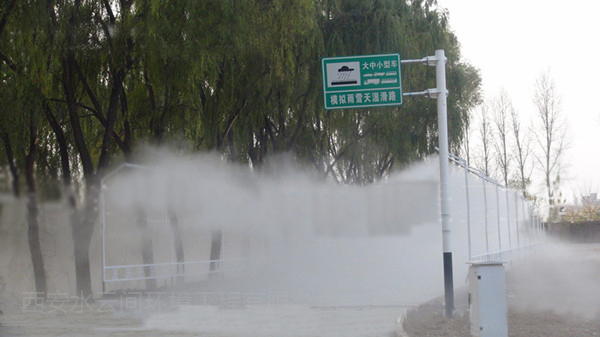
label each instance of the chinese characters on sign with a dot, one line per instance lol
(362, 81)
(365, 97)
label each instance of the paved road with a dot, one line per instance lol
(192, 320)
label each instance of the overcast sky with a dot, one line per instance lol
(513, 41)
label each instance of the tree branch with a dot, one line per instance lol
(98, 108)
(9, 63)
(109, 11)
(4, 18)
(62, 143)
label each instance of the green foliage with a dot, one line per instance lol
(241, 77)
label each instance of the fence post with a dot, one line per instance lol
(468, 208)
(517, 218)
(103, 220)
(508, 218)
(498, 219)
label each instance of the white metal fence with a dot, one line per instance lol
(500, 222)
(490, 222)
(122, 245)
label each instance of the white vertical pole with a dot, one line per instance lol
(530, 223)
(485, 217)
(103, 219)
(498, 219)
(508, 218)
(538, 229)
(527, 216)
(517, 219)
(440, 79)
(222, 253)
(172, 244)
(468, 209)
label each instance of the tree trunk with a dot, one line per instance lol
(147, 249)
(82, 265)
(215, 251)
(174, 221)
(82, 229)
(82, 268)
(33, 229)
(33, 237)
(14, 171)
(83, 222)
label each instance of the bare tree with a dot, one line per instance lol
(501, 108)
(522, 150)
(484, 159)
(551, 133)
(465, 148)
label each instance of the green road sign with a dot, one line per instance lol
(361, 81)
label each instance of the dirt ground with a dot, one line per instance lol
(428, 320)
(554, 294)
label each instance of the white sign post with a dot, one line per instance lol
(355, 75)
(442, 94)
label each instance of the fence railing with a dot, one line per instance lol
(505, 254)
(137, 272)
